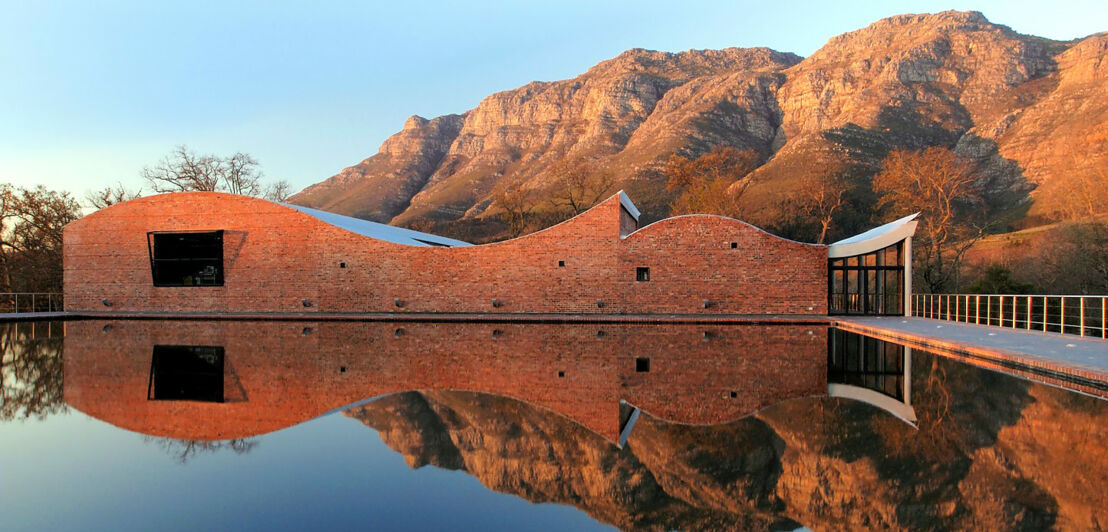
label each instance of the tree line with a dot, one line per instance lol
(948, 190)
(32, 218)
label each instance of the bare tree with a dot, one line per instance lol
(240, 174)
(109, 195)
(185, 450)
(184, 170)
(1084, 191)
(278, 191)
(945, 189)
(713, 183)
(822, 199)
(577, 187)
(517, 206)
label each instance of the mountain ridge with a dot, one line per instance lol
(1015, 104)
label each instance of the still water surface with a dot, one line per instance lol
(179, 425)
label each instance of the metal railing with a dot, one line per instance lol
(18, 302)
(1078, 315)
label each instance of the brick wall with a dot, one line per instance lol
(278, 374)
(275, 257)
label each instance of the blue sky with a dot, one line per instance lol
(92, 91)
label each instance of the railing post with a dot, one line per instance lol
(1082, 315)
(1044, 314)
(977, 317)
(1015, 311)
(1062, 321)
(1029, 313)
(1000, 322)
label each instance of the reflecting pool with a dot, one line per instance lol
(185, 425)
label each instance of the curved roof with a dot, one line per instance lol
(380, 231)
(874, 239)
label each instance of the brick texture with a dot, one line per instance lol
(278, 374)
(276, 257)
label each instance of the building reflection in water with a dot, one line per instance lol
(222, 380)
(740, 427)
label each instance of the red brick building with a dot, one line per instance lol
(215, 252)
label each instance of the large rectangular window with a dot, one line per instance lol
(186, 259)
(867, 284)
(186, 373)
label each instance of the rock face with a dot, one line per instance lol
(1025, 108)
(991, 452)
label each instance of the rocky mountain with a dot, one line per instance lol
(1031, 111)
(978, 459)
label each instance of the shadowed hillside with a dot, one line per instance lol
(1030, 112)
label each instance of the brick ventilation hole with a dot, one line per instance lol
(642, 365)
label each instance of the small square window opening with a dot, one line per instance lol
(642, 274)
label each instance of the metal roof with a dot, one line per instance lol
(874, 239)
(380, 231)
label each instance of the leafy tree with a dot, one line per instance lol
(30, 373)
(945, 189)
(31, 222)
(998, 280)
(713, 183)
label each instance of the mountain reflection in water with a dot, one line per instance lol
(737, 429)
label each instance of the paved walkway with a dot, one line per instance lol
(1065, 356)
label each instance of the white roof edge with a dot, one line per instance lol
(379, 231)
(874, 239)
(626, 202)
(848, 391)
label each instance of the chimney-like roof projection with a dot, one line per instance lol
(874, 239)
(388, 233)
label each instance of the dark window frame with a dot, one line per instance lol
(157, 279)
(866, 362)
(867, 271)
(642, 274)
(212, 391)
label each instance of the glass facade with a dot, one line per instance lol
(865, 362)
(872, 283)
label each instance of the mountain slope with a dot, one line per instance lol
(1019, 105)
